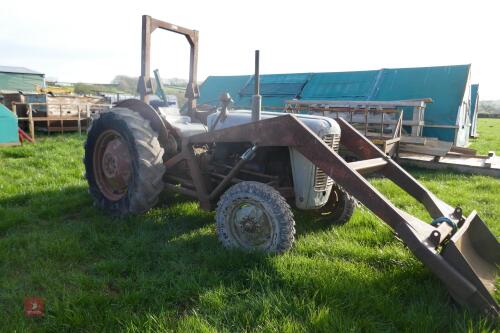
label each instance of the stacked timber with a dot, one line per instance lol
(425, 145)
(66, 113)
(440, 155)
(380, 121)
(431, 153)
(70, 105)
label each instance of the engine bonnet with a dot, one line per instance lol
(319, 125)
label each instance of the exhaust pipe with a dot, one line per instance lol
(256, 98)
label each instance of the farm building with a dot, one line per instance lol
(446, 118)
(14, 79)
(474, 109)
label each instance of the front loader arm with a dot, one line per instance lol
(365, 149)
(465, 264)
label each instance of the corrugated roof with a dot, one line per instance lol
(446, 85)
(18, 70)
(286, 85)
(340, 86)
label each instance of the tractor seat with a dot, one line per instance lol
(181, 124)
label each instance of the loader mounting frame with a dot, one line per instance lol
(468, 272)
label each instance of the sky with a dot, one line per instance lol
(93, 41)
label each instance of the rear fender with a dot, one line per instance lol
(162, 127)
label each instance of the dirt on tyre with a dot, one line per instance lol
(253, 216)
(123, 162)
(339, 208)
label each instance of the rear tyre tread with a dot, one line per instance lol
(147, 160)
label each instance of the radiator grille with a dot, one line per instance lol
(321, 180)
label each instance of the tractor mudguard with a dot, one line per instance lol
(158, 124)
(462, 253)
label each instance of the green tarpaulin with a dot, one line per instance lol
(446, 85)
(8, 127)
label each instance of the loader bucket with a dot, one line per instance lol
(475, 253)
(460, 251)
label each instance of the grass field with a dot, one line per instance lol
(489, 136)
(165, 271)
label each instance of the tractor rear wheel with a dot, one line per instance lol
(123, 162)
(339, 207)
(255, 217)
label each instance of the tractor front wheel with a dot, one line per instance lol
(123, 162)
(339, 207)
(255, 217)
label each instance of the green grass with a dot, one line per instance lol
(489, 136)
(166, 270)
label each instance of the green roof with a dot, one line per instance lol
(19, 70)
(340, 86)
(214, 86)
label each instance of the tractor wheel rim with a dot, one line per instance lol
(250, 225)
(112, 166)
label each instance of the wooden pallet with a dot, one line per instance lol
(381, 122)
(59, 123)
